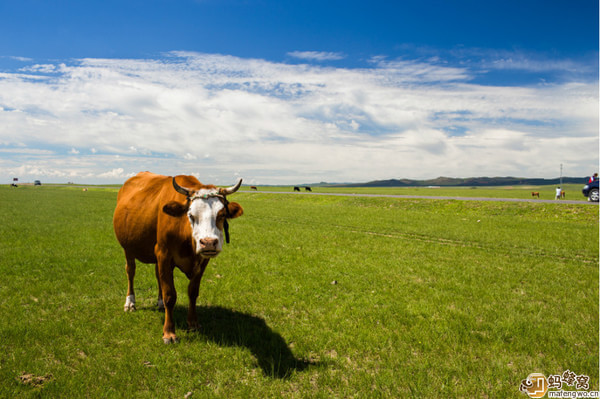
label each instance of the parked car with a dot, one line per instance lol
(37, 183)
(590, 190)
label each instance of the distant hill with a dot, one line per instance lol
(470, 181)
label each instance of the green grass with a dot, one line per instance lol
(548, 192)
(431, 299)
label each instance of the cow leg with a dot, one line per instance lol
(160, 303)
(169, 296)
(130, 268)
(193, 288)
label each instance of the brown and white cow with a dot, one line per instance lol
(172, 222)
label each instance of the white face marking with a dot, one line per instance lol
(202, 215)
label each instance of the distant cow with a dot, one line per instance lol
(296, 188)
(562, 194)
(307, 189)
(172, 222)
(535, 194)
(253, 188)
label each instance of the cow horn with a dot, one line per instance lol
(181, 190)
(232, 189)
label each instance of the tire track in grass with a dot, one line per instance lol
(511, 250)
(471, 244)
(523, 251)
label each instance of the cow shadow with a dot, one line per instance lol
(232, 328)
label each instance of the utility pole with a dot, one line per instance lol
(561, 175)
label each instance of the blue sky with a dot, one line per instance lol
(291, 92)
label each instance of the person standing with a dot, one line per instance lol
(558, 193)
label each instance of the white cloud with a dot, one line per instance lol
(26, 151)
(215, 116)
(517, 60)
(17, 58)
(117, 173)
(317, 55)
(43, 68)
(419, 71)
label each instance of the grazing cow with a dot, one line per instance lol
(253, 188)
(308, 189)
(296, 188)
(535, 194)
(172, 222)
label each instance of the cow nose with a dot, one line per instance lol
(209, 244)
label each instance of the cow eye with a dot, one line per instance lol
(192, 219)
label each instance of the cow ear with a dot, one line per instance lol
(175, 209)
(235, 210)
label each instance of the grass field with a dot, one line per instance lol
(316, 296)
(572, 191)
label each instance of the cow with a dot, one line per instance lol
(535, 194)
(253, 188)
(172, 222)
(296, 188)
(562, 194)
(307, 188)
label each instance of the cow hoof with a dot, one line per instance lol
(129, 303)
(171, 340)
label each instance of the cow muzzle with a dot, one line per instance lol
(209, 247)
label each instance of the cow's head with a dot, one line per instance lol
(207, 210)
